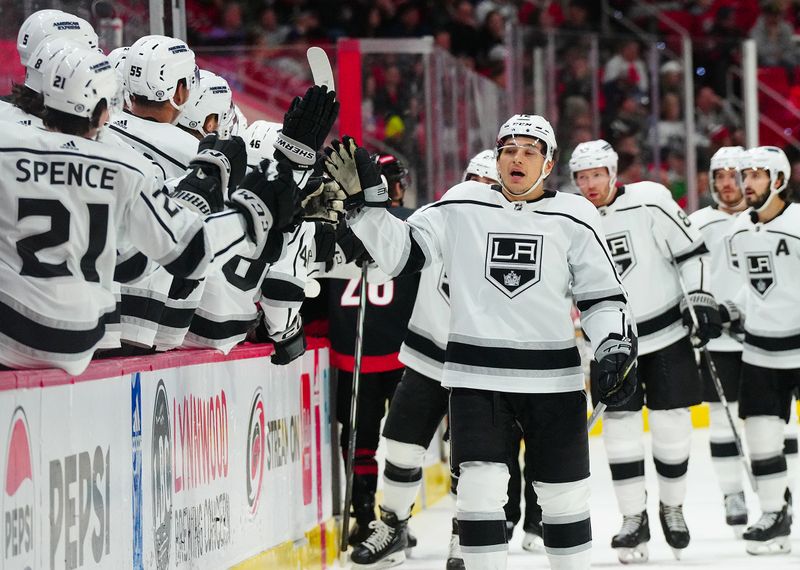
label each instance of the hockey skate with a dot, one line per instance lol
(770, 534)
(674, 526)
(385, 546)
(631, 541)
(533, 541)
(736, 512)
(411, 542)
(454, 558)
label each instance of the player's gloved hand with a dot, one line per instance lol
(325, 203)
(305, 126)
(616, 359)
(267, 204)
(731, 318)
(235, 150)
(289, 345)
(203, 187)
(352, 168)
(709, 323)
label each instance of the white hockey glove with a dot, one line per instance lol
(616, 360)
(352, 168)
(325, 203)
(709, 324)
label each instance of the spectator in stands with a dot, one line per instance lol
(464, 34)
(408, 22)
(577, 77)
(269, 30)
(369, 23)
(493, 34)
(671, 129)
(671, 78)
(774, 38)
(306, 29)
(629, 168)
(712, 112)
(626, 69)
(717, 51)
(230, 30)
(576, 18)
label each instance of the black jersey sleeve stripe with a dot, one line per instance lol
(130, 269)
(213, 330)
(37, 336)
(416, 258)
(424, 346)
(596, 238)
(280, 290)
(176, 318)
(512, 358)
(148, 145)
(659, 322)
(185, 264)
(142, 308)
(587, 304)
(773, 344)
(701, 249)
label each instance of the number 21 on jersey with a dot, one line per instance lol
(379, 295)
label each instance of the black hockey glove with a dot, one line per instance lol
(732, 318)
(235, 150)
(306, 126)
(709, 323)
(325, 203)
(267, 204)
(203, 187)
(616, 360)
(357, 174)
(289, 345)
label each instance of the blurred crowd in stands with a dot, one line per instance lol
(649, 135)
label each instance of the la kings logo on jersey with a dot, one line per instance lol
(621, 247)
(513, 262)
(760, 270)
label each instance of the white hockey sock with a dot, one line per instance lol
(566, 524)
(482, 488)
(402, 476)
(765, 442)
(622, 436)
(724, 454)
(671, 433)
(790, 448)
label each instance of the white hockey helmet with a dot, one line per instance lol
(773, 160)
(77, 81)
(50, 24)
(726, 158)
(211, 97)
(260, 137)
(534, 126)
(49, 49)
(154, 66)
(482, 164)
(594, 154)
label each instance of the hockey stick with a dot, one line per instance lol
(320, 67)
(351, 445)
(712, 369)
(596, 413)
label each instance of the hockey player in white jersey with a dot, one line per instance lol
(644, 228)
(417, 407)
(208, 106)
(68, 201)
(515, 255)
(766, 242)
(715, 223)
(43, 34)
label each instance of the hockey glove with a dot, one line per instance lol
(289, 345)
(325, 204)
(235, 150)
(267, 203)
(203, 187)
(709, 323)
(616, 359)
(353, 169)
(305, 126)
(732, 318)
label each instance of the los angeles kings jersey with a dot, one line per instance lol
(769, 262)
(13, 114)
(66, 204)
(514, 269)
(644, 228)
(715, 225)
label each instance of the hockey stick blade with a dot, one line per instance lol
(320, 66)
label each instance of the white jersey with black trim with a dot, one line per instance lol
(65, 204)
(424, 348)
(769, 261)
(715, 225)
(514, 269)
(644, 228)
(13, 114)
(169, 146)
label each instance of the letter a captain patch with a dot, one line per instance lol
(513, 262)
